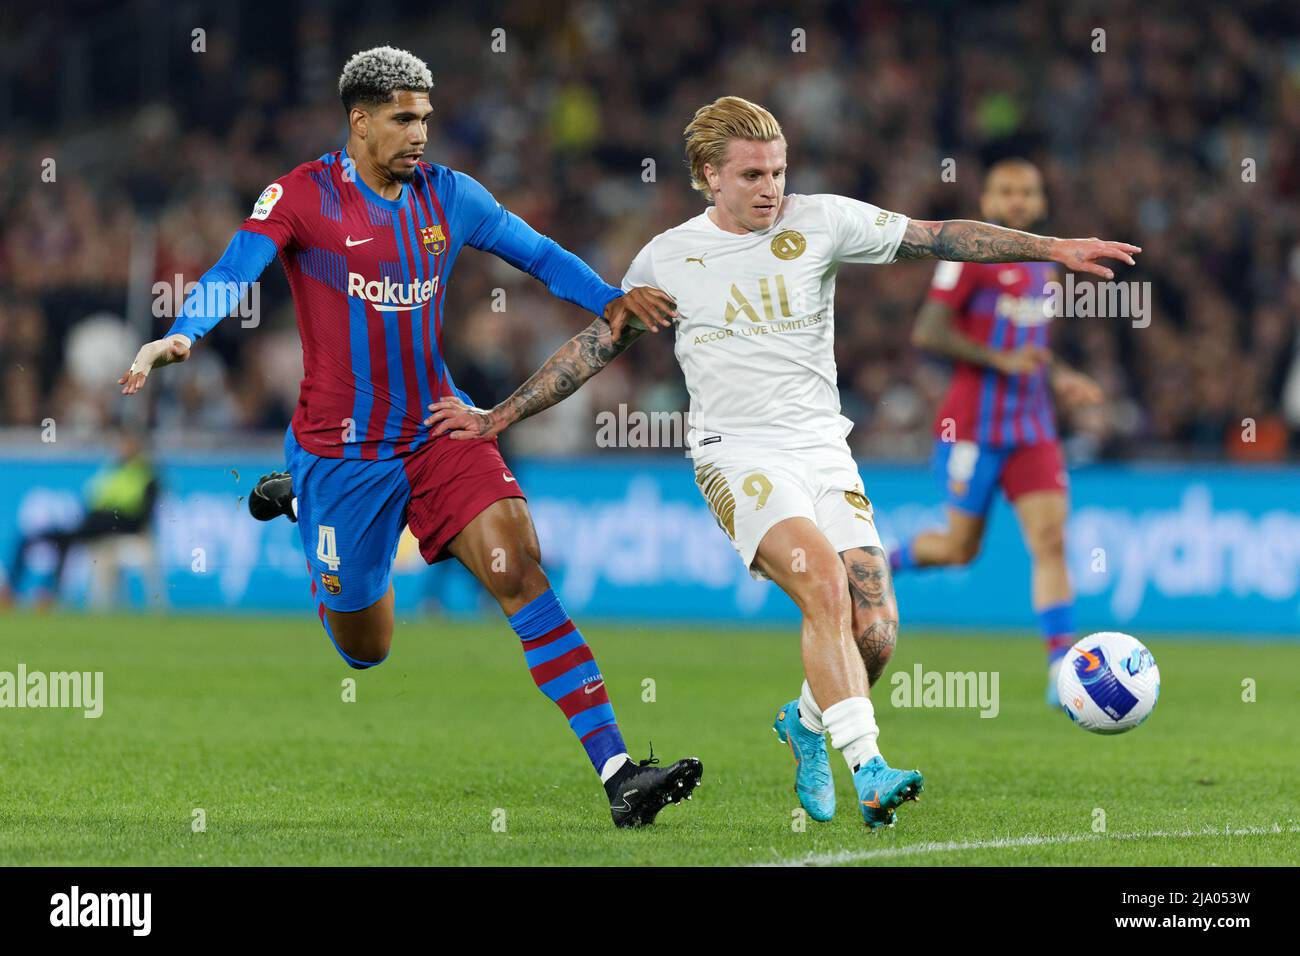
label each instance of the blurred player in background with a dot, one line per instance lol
(753, 278)
(367, 236)
(119, 501)
(996, 428)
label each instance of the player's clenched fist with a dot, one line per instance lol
(1022, 361)
(152, 355)
(1074, 389)
(461, 420)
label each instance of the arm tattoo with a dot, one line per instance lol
(564, 372)
(964, 240)
(873, 599)
(935, 333)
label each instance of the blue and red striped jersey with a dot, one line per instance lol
(1003, 306)
(369, 278)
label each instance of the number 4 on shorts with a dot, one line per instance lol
(327, 546)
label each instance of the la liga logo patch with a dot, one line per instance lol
(266, 202)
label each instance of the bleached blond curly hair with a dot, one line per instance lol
(372, 76)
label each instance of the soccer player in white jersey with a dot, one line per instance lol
(753, 281)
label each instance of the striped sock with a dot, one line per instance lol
(1057, 623)
(901, 559)
(564, 670)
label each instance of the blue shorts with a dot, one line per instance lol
(971, 472)
(352, 511)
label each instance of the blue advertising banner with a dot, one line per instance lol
(1210, 550)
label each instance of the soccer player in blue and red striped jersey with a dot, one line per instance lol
(367, 236)
(997, 427)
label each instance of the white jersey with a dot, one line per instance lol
(756, 316)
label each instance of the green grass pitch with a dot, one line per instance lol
(244, 718)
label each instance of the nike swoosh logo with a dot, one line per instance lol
(874, 802)
(592, 688)
(506, 477)
(348, 241)
(623, 796)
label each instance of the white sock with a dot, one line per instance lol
(612, 766)
(810, 715)
(852, 723)
(293, 503)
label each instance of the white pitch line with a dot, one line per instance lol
(919, 849)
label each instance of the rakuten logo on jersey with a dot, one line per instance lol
(1024, 310)
(389, 296)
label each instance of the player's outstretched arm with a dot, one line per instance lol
(493, 228)
(935, 332)
(559, 377)
(217, 293)
(964, 240)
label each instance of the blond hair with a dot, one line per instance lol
(718, 123)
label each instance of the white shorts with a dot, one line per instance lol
(749, 490)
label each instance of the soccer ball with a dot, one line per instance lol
(1108, 682)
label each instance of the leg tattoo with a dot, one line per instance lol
(876, 644)
(873, 608)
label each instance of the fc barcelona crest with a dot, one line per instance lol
(434, 240)
(332, 583)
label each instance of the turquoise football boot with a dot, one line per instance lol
(882, 789)
(812, 766)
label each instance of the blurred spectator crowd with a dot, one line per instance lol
(1183, 136)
